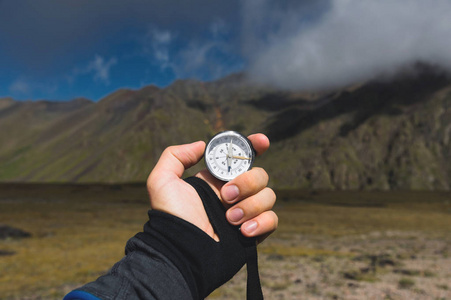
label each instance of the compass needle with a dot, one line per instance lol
(241, 157)
(229, 156)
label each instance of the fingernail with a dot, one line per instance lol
(230, 193)
(235, 215)
(249, 226)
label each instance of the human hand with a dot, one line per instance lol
(247, 197)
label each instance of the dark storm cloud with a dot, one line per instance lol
(34, 33)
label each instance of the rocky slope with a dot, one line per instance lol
(377, 135)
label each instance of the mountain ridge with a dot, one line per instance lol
(392, 134)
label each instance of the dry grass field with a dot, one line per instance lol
(329, 245)
(356, 245)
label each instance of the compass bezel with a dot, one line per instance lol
(234, 134)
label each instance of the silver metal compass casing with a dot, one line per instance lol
(229, 154)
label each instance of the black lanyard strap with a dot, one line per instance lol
(216, 213)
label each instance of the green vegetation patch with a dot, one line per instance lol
(406, 283)
(343, 213)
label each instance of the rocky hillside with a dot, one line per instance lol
(377, 135)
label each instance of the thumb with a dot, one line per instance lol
(175, 160)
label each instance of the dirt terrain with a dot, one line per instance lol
(329, 245)
(389, 265)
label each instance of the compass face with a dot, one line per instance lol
(229, 154)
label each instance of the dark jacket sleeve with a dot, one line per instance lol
(143, 273)
(174, 259)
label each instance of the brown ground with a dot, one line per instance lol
(329, 245)
(389, 265)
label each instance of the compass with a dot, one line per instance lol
(229, 154)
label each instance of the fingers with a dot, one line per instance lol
(245, 185)
(175, 160)
(262, 225)
(251, 207)
(260, 142)
(252, 201)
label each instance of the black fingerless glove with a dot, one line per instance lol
(204, 263)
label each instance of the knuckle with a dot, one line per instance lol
(259, 203)
(254, 180)
(268, 198)
(262, 201)
(170, 150)
(249, 182)
(271, 193)
(275, 220)
(262, 174)
(258, 206)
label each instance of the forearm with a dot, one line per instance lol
(143, 273)
(174, 259)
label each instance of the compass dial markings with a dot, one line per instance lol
(229, 155)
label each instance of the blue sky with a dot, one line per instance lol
(62, 49)
(59, 49)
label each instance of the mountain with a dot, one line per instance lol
(392, 134)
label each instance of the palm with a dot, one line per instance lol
(181, 199)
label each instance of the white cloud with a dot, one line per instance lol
(352, 41)
(99, 68)
(194, 59)
(218, 28)
(202, 57)
(161, 37)
(20, 86)
(206, 59)
(156, 44)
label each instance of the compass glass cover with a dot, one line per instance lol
(229, 154)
